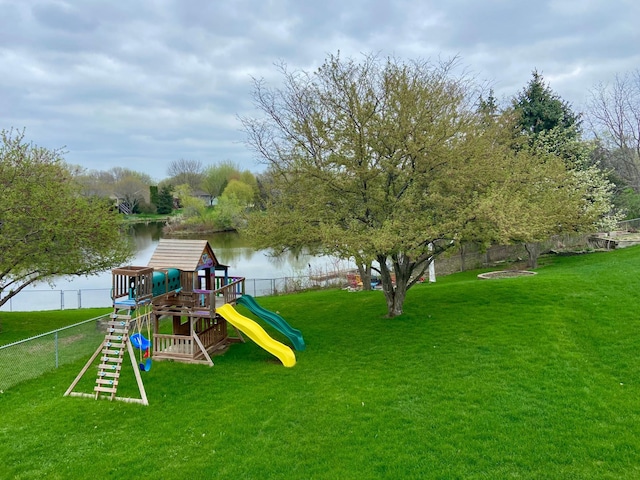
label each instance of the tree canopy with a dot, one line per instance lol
(47, 228)
(186, 171)
(548, 126)
(386, 163)
(541, 109)
(614, 118)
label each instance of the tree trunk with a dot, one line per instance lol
(365, 275)
(394, 294)
(533, 249)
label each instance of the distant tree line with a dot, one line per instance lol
(210, 198)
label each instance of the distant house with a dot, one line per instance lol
(204, 196)
(208, 199)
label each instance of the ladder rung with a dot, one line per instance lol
(111, 359)
(115, 373)
(117, 330)
(104, 381)
(121, 325)
(114, 337)
(105, 389)
(108, 351)
(113, 367)
(114, 344)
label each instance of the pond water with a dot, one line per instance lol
(230, 249)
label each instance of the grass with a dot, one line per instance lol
(149, 217)
(533, 377)
(16, 326)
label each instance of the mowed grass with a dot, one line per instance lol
(16, 326)
(533, 377)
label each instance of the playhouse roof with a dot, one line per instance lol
(185, 255)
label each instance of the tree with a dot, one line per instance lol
(385, 163)
(547, 126)
(540, 109)
(614, 117)
(164, 203)
(241, 191)
(131, 191)
(228, 214)
(216, 178)
(188, 172)
(127, 187)
(47, 227)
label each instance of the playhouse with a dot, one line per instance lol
(202, 285)
(184, 282)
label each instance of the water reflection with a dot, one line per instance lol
(230, 248)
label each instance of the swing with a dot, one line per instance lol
(141, 343)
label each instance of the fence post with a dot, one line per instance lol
(61, 299)
(55, 346)
(79, 298)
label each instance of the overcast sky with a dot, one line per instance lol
(138, 84)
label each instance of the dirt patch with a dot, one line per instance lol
(505, 274)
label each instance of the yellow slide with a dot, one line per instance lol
(256, 333)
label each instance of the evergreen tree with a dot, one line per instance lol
(153, 195)
(540, 109)
(165, 200)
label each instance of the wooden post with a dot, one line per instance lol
(136, 371)
(204, 350)
(83, 371)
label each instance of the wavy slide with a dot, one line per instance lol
(256, 333)
(275, 320)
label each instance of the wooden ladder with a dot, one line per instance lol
(112, 355)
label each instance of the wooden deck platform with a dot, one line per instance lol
(197, 330)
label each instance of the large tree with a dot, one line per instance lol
(385, 163)
(614, 117)
(186, 171)
(216, 177)
(47, 227)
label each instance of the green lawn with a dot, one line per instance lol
(16, 326)
(533, 377)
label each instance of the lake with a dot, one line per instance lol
(230, 249)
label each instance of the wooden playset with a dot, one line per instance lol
(185, 282)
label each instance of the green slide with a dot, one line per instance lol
(273, 319)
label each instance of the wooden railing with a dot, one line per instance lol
(214, 334)
(228, 293)
(173, 345)
(199, 304)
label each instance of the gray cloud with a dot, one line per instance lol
(139, 84)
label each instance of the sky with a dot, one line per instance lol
(141, 83)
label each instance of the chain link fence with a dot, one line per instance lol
(28, 359)
(32, 357)
(34, 300)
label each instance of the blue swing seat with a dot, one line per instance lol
(146, 366)
(139, 341)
